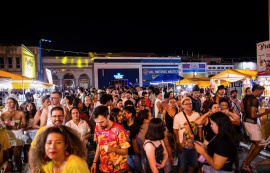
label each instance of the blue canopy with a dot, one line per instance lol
(166, 78)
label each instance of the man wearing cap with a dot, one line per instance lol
(250, 111)
(221, 94)
(196, 102)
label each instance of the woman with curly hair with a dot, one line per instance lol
(60, 150)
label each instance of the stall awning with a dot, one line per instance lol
(233, 75)
(201, 82)
(20, 82)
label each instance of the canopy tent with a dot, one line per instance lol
(201, 82)
(234, 75)
(20, 82)
(5, 83)
(166, 78)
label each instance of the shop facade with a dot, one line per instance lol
(137, 71)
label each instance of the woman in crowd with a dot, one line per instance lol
(45, 102)
(60, 150)
(154, 147)
(69, 102)
(117, 116)
(132, 129)
(79, 125)
(179, 102)
(205, 121)
(168, 117)
(29, 132)
(235, 119)
(221, 151)
(79, 104)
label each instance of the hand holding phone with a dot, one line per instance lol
(196, 142)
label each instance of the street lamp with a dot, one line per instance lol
(41, 75)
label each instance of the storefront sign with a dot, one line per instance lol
(263, 58)
(118, 76)
(150, 73)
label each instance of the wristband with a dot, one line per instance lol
(94, 162)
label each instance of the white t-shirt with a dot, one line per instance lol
(82, 128)
(157, 114)
(180, 123)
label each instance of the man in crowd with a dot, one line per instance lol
(129, 97)
(158, 108)
(136, 97)
(182, 124)
(82, 94)
(15, 120)
(55, 102)
(236, 104)
(221, 94)
(86, 106)
(57, 117)
(147, 100)
(249, 109)
(112, 145)
(196, 102)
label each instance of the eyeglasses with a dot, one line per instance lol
(53, 98)
(57, 116)
(188, 104)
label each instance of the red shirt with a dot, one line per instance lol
(83, 116)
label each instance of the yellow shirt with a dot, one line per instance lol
(74, 164)
(4, 144)
(34, 142)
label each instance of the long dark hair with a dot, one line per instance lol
(156, 130)
(34, 111)
(225, 128)
(137, 125)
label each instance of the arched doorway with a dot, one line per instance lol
(69, 81)
(84, 81)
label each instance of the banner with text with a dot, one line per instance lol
(263, 58)
(148, 74)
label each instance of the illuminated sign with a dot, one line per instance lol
(28, 63)
(118, 76)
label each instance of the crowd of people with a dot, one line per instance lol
(133, 130)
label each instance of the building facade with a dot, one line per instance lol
(11, 58)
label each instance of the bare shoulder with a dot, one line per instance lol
(19, 112)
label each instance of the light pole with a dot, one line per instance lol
(41, 74)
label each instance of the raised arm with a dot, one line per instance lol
(203, 119)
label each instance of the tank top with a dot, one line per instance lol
(49, 121)
(158, 155)
(208, 132)
(169, 120)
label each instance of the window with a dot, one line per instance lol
(18, 63)
(212, 62)
(2, 65)
(9, 62)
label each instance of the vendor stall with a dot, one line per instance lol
(21, 82)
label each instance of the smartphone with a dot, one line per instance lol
(195, 142)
